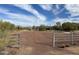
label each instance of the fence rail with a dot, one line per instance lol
(8, 42)
(65, 38)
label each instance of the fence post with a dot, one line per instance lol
(72, 39)
(53, 40)
(18, 39)
(18, 42)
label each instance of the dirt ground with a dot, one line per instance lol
(40, 43)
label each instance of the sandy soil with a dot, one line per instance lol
(40, 43)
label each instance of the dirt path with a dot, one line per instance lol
(40, 43)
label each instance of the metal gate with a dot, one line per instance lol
(9, 42)
(65, 38)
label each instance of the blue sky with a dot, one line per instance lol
(37, 14)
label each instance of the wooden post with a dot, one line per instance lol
(53, 40)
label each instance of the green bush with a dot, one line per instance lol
(66, 26)
(42, 28)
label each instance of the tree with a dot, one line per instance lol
(67, 26)
(57, 26)
(4, 25)
(42, 28)
(33, 27)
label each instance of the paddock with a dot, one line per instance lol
(44, 43)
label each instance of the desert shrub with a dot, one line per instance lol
(2, 44)
(42, 28)
(57, 26)
(61, 46)
(12, 42)
(12, 52)
(66, 45)
(3, 34)
(5, 40)
(67, 26)
(74, 44)
(4, 25)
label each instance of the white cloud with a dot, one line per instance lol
(2, 10)
(33, 11)
(26, 20)
(47, 7)
(20, 19)
(62, 20)
(73, 9)
(17, 16)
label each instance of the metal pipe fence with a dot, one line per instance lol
(8, 42)
(60, 38)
